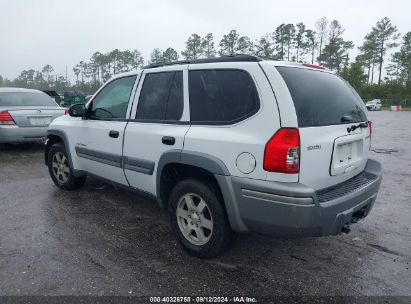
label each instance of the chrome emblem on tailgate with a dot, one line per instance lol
(315, 147)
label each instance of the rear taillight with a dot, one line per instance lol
(370, 128)
(66, 112)
(6, 119)
(282, 152)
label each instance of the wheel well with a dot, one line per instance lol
(51, 140)
(174, 172)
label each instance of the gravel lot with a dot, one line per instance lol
(106, 241)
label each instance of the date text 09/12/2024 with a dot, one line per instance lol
(237, 299)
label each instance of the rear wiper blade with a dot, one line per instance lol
(360, 125)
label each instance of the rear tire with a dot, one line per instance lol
(60, 170)
(199, 220)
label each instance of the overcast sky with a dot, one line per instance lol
(63, 32)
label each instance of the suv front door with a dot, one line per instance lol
(99, 141)
(158, 123)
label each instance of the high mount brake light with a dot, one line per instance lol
(282, 152)
(314, 66)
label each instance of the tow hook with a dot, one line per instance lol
(346, 228)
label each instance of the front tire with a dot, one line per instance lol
(198, 219)
(60, 170)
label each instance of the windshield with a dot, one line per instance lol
(321, 98)
(25, 99)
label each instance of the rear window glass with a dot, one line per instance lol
(25, 99)
(321, 98)
(222, 96)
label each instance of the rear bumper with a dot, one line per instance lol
(295, 210)
(9, 134)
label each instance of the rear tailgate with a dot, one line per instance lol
(329, 155)
(327, 108)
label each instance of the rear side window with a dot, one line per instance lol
(321, 98)
(161, 97)
(20, 99)
(221, 96)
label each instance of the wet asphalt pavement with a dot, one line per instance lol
(100, 240)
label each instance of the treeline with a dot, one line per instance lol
(325, 44)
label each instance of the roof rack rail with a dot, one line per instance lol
(225, 58)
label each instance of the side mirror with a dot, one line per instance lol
(77, 110)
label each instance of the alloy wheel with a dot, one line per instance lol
(61, 169)
(194, 219)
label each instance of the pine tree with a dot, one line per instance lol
(384, 34)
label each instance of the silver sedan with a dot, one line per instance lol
(25, 114)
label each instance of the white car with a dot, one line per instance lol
(374, 105)
(229, 144)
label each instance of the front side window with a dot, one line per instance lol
(222, 96)
(112, 100)
(161, 97)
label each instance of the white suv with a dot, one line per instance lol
(230, 144)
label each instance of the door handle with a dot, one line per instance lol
(113, 134)
(168, 140)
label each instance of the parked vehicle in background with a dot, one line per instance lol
(25, 114)
(227, 144)
(73, 97)
(374, 105)
(54, 95)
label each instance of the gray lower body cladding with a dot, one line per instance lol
(102, 157)
(280, 209)
(129, 163)
(295, 210)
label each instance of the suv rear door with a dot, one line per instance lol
(158, 123)
(327, 108)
